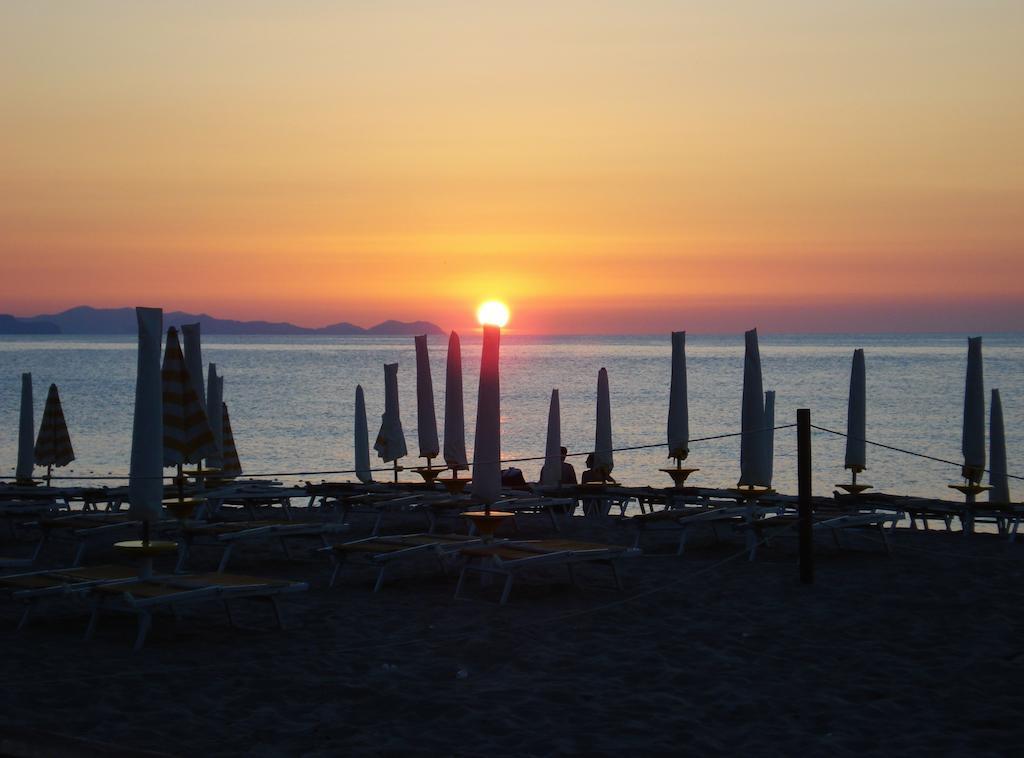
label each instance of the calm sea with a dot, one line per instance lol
(291, 399)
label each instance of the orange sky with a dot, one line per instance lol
(601, 166)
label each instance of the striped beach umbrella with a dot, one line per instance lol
(26, 427)
(454, 411)
(214, 398)
(997, 474)
(856, 416)
(53, 443)
(390, 443)
(187, 435)
(145, 483)
(191, 337)
(551, 472)
(361, 442)
(752, 449)
(426, 420)
(604, 461)
(973, 444)
(678, 410)
(232, 467)
(487, 439)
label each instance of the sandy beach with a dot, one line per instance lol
(919, 653)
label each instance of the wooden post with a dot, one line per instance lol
(803, 446)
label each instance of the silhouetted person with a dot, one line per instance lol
(597, 475)
(568, 472)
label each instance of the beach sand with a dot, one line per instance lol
(920, 653)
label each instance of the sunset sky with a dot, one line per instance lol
(601, 167)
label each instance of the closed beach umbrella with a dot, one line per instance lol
(752, 468)
(390, 444)
(997, 475)
(426, 421)
(974, 414)
(145, 483)
(856, 416)
(603, 459)
(53, 443)
(231, 466)
(362, 439)
(187, 434)
(487, 440)
(678, 410)
(551, 472)
(769, 437)
(194, 359)
(26, 431)
(214, 398)
(454, 412)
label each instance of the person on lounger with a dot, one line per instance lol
(568, 472)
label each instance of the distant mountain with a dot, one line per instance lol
(11, 325)
(87, 320)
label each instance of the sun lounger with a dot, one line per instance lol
(83, 530)
(30, 588)
(224, 535)
(685, 520)
(507, 559)
(764, 530)
(143, 597)
(382, 552)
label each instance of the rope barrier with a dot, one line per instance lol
(905, 451)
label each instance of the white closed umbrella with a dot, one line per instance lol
(973, 444)
(997, 475)
(769, 437)
(194, 359)
(145, 481)
(856, 416)
(26, 432)
(454, 411)
(551, 471)
(390, 444)
(214, 399)
(487, 440)
(604, 461)
(426, 420)
(678, 409)
(752, 458)
(362, 439)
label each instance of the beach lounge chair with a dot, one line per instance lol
(508, 559)
(144, 597)
(383, 551)
(225, 535)
(764, 530)
(84, 530)
(33, 587)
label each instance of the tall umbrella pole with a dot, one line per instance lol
(997, 476)
(604, 460)
(487, 441)
(678, 413)
(26, 429)
(362, 439)
(856, 425)
(145, 481)
(973, 442)
(426, 419)
(551, 473)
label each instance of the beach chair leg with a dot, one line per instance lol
(462, 578)
(25, 615)
(79, 553)
(752, 543)
(94, 618)
(682, 541)
(225, 558)
(145, 622)
(183, 552)
(885, 539)
(835, 538)
(376, 525)
(380, 578)
(277, 611)
(507, 590)
(1013, 531)
(227, 612)
(285, 548)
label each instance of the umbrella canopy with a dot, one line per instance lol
(678, 410)
(769, 437)
(752, 458)
(362, 439)
(145, 483)
(603, 459)
(856, 416)
(390, 444)
(454, 413)
(551, 472)
(974, 414)
(214, 399)
(26, 431)
(53, 444)
(194, 359)
(426, 421)
(997, 475)
(231, 467)
(487, 440)
(187, 434)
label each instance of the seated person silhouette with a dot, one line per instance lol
(568, 472)
(596, 475)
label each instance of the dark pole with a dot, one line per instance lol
(803, 446)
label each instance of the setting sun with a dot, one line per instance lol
(493, 312)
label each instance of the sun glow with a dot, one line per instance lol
(493, 312)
